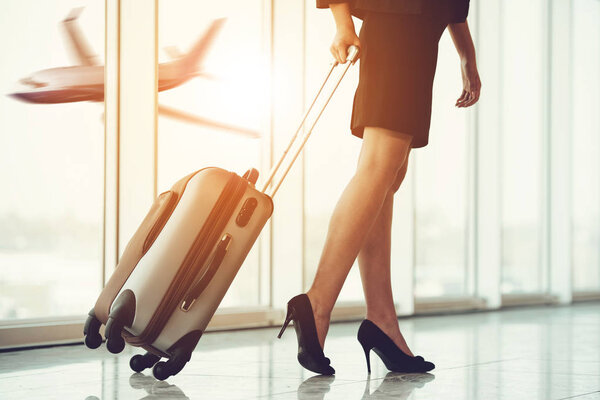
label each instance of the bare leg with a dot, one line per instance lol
(382, 155)
(374, 263)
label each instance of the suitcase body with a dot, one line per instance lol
(179, 264)
(185, 254)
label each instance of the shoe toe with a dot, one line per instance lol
(428, 366)
(328, 370)
(316, 363)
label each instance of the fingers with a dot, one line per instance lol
(337, 54)
(474, 96)
(463, 97)
(333, 52)
(340, 52)
(465, 100)
(341, 42)
(468, 98)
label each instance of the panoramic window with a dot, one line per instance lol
(212, 100)
(522, 145)
(441, 186)
(586, 147)
(52, 152)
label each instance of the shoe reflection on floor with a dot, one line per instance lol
(395, 385)
(315, 388)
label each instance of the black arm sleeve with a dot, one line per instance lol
(326, 3)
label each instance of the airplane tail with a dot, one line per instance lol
(81, 51)
(192, 60)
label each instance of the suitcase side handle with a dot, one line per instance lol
(352, 54)
(195, 291)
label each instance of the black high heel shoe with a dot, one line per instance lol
(372, 338)
(310, 353)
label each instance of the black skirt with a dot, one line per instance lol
(397, 66)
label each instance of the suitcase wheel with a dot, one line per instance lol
(139, 362)
(91, 331)
(114, 341)
(162, 370)
(121, 315)
(181, 353)
(93, 341)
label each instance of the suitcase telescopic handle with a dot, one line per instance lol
(352, 54)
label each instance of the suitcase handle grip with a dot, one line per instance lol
(196, 290)
(352, 54)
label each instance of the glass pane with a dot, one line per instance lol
(325, 180)
(522, 117)
(52, 159)
(208, 83)
(440, 170)
(586, 146)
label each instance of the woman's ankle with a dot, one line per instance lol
(383, 320)
(319, 310)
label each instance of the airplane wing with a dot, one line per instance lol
(81, 51)
(187, 117)
(193, 59)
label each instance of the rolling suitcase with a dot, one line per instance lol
(183, 257)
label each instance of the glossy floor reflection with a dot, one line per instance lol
(523, 353)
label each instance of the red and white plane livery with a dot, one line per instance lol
(85, 82)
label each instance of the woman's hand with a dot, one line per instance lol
(345, 35)
(461, 36)
(344, 38)
(471, 84)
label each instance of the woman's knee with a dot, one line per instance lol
(400, 177)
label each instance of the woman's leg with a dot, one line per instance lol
(374, 263)
(383, 153)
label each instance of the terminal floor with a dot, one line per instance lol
(550, 352)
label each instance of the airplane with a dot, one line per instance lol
(85, 81)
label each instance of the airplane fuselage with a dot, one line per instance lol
(86, 83)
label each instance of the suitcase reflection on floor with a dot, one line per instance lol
(156, 389)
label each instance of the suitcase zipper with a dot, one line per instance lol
(204, 242)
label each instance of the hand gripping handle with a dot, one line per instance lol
(352, 55)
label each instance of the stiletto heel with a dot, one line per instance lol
(310, 353)
(288, 318)
(367, 356)
(371, 337)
